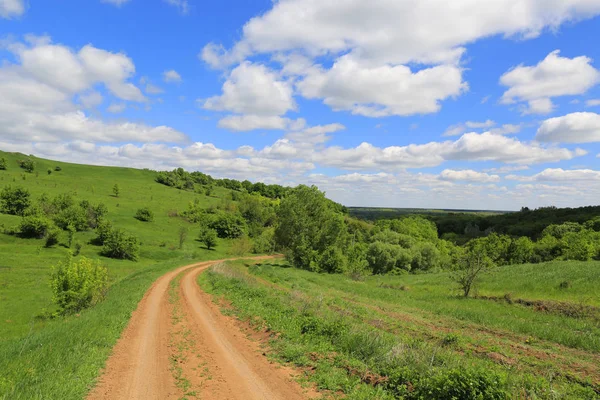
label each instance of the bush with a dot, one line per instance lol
(228, 225)
(14, 200)
(34, 227)
(27, 164)
(121, 245)
(265, 243)
(333, 261)
(78, 284)
(74, 216)
(3, 164)
(103, 230)
(52, 237)
(57, 169)
(144, 214)
(208, 237)
(241, 246)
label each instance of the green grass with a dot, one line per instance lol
(415, 331)
(60, 358)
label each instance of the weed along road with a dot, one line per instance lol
(178, 343)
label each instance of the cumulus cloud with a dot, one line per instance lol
(468, 175)
(559, 175)
(580, 127)
(244, 123)
(552, 77)
(592, 103)
(117, 108)
(425, 31)
(377, 91)
(253, 89)
(171, 76)
(12, 8)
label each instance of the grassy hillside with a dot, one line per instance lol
(42, 357)
(412, 337)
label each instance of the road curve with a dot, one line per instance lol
(226, 364)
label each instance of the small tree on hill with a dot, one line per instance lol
(182, 236)
(27, 164)
(3, 164)
(144, 214)
(116, 190)
(208, 237)
(121, 245)
(14, 201)
(471, 266)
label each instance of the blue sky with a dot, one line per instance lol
(483, 105)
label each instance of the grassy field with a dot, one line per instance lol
(59, 358)
(412, 337)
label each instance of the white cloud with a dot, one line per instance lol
(468, 176)
(592, 103)
(91, 99)
(116, 108)
(244, 123)
(580, 127)
(117, 3)
(507, 169)
(171, 76)
(382, 90)
(506, 129)
(395, 32)
(459, 129)
(71, 72)
(11, 8)
(153, 89)
(182, 5)
(552, 77)
(559, 175)
(253, 89)
(469, 147)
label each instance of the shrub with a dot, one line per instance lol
(3, 164)
(14, 200)
(34, 226)
(103, 230)
(265, 243)
(228, 225)
(57, 168)
(333, 261)
(116, 190)
(78, 284)
(470, 268)
(144, 214)
(49, 171)
(74, 216)
(52, 237)
(27, 164)
(121, 245)
(208, 237)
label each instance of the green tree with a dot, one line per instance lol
(34, 226)
(307, 226)
(15, 200)
(27, 164)
(385, 257)
(520, 250)
(121, 245)
(471, 266)
(228, 225)
(208, 237)
(3, 164)
(116, 190)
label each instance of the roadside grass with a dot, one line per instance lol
(370, 341)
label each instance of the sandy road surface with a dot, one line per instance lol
(213, 357)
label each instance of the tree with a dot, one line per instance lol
(3, 164)
(14, 201)
(121, 245)
(471, 266)
(208, 237)
(34, 226)
(307, 226)
(182, 236)
(27, 164)
(228, 225)
(116, 190)
(520, 250)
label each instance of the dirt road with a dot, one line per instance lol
(178, 344)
